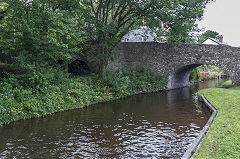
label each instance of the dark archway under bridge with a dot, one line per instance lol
(176, 63)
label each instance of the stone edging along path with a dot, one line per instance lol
(191, 151)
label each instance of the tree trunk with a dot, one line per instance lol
(66, 67)
(102, 70)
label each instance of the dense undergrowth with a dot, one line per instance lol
(222, 141)
(39, 94)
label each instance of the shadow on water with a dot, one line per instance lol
(160, 125)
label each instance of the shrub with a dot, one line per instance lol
(124, 82)
(227, 83)
(26, 96)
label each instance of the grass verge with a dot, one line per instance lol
(24, 98)
(222, 141)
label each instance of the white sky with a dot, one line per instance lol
(223, 16)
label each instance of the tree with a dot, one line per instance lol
(42, 32)
(39, 34)
(208, 34)
(105, 22)
(3, 11)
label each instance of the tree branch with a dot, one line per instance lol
(99, 8)
(94, 12)
(107, 12)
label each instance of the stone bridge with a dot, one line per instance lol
(176, 63)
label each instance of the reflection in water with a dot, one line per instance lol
(160, 125)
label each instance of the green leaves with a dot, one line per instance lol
(36, 95)
(39, 33)
(44, 32)
(105, 22)
(126, 82)
(207, 34)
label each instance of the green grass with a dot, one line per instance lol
(223, 139)
(227, 83)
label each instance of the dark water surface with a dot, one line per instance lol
(158, 125)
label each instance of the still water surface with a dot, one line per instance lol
(158, 125)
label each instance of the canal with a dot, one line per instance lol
(157, 125)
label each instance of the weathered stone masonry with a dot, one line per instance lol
(175, 63)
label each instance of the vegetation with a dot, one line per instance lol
(40, 39)
(105, 22)
(205, 72)
(126, 82)
(207, 34)
(222, 141)
(54, 93)
(44, 31)
(37, 36)
(227, 83)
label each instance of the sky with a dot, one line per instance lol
(223, 16)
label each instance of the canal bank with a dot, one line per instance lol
(191, 151)
(21, 100)
(222, 141)
(148, 125)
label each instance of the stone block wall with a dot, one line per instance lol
(175, 63)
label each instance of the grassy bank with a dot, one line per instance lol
(222, 141)
(21, 100)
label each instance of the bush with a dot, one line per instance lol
(45, 96)
(125, 82)
(227, 83)
(47, 92)
(194, 76)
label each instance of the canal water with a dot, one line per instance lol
(157, 125)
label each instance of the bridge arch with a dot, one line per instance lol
(175, 63)
(181, 77)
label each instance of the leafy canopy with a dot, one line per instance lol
(105, 22)
(38, 34)
(208, 34)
